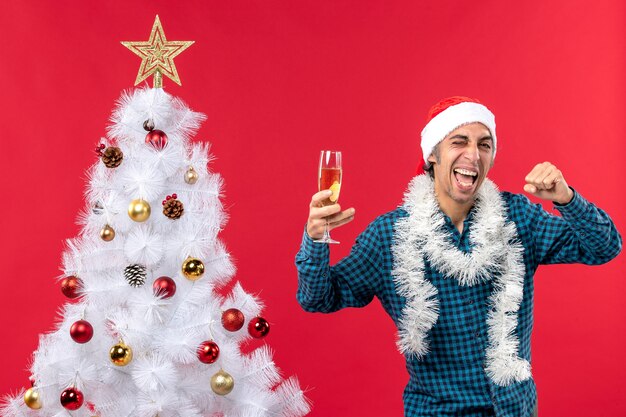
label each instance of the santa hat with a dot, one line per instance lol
(451, 113)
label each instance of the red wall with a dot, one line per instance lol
(281, 80)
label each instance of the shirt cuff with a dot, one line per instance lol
(313, 250)
(576, 208)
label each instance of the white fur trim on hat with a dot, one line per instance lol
(453, 117)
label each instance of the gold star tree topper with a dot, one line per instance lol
(157, 55)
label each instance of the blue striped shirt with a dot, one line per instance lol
(450, 380)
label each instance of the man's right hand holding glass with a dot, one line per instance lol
(321, 215)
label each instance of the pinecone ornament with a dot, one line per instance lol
(112, 157)
(172, 207)
(135, 275)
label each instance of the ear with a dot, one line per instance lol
(431, 158)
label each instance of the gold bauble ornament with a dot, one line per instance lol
(32, 399)
(139, 210)
(193, 269)
(107, 233)
(222, 383)
(191, 176)
(121, 354)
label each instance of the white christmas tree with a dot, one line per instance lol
(147, 333)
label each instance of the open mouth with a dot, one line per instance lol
(465, 178)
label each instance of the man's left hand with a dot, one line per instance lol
(546, 182)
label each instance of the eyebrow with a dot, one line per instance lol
(464, 137)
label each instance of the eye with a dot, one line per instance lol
(486, 145)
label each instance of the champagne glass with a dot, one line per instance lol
(329, 178)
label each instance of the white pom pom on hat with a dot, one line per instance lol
(451, 113)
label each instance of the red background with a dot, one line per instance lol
(281, 80)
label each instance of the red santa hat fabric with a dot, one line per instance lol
(451, 113)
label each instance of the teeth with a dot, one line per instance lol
(463, 183)
(465, 172)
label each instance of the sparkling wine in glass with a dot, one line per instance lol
(329, 178)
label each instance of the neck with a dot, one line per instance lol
(457, 212)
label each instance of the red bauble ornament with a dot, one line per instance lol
(157, 138)
(258, 327)
(232, 319)
(164, 287)
(71, 286)
(81, 331)
(208, 352)
(72, 398)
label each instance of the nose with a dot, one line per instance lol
(471, 152)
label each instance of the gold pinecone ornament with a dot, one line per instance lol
(112, 157)
(172, 207)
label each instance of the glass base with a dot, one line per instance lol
(327, 239)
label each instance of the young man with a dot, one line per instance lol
(453, 267)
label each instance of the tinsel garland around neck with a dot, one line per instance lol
(496, 254)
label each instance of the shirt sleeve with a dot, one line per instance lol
(349, 283)
(584, 234)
